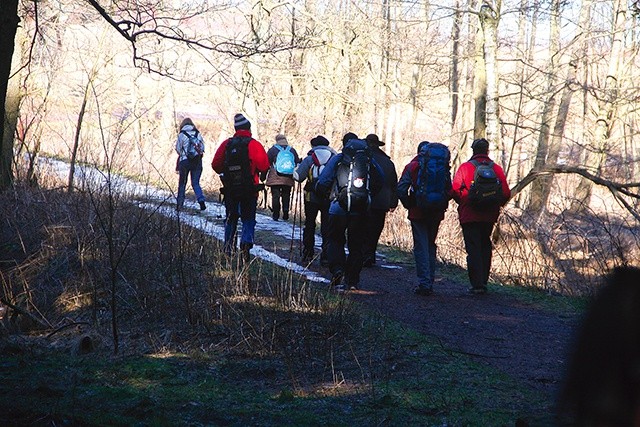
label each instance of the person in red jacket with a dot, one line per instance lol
(477, 224)
(240, 196)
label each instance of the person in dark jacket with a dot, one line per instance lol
(309, 169)
(240, 205)
(386, 200)
(280, 185)
(477, 225)
(424, 226)
(346, 227)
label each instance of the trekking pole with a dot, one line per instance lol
(292, 197)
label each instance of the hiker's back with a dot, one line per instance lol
(433, 184)
(353, 177)
(237, 177)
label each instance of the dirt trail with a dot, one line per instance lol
(524, 341)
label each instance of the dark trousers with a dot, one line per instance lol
(347, 229)
(477, 242)
(311, 210)
(375, 225)
(280, 192)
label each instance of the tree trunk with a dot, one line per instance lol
(490, 18)
(540, 187)
(8, 26)
(606, 110)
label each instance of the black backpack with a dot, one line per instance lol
(352, 176)
(485, 191)
(237, 178)
(434, 177)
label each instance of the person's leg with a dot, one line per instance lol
(248, 207)
(196, 173)
(183, 168)
(432, 231)
(232, 208)
(356, 227)
(308, 233)
(324, 233)
(286, 201)
(374, 225)
(420, 232)
(275, 201)
(473, 245)
(487, 249)
(336, 232)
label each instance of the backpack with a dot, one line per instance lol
(318, 164)
(195, 147)
(352, 176)
(237, 178)
(433, 184)
(486, 189)
(285, 161)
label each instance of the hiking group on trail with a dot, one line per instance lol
(352, 190)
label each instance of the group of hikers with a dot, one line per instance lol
(352, 191)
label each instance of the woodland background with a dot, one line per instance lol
(552, 85)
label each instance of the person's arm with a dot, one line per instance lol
(459, 187)
(302, 170)
(258, 156)
(327, 176)
(404, 187)
(218, 159)
(392, 180)
(506, 191)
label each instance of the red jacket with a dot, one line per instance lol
(461, 182)
(257, 156)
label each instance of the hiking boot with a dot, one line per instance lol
(423, 290)
(275, 217)
(244, 252)
(477, 291)
(369, 262)
(202, 205)
(285, 216)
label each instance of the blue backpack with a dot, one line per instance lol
(285, 161)
(433, 185)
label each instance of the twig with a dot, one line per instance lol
(64, 327)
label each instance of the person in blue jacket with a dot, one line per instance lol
(346, 227)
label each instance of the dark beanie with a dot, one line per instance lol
(480, 146)
(422, 145)
(319, 140)
(241, 122)
(348, 136)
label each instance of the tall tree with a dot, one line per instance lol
(8, 27)
(596, 156)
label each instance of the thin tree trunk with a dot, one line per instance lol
(606, 110)
(539, 187)
(9, 21)
(490, 18)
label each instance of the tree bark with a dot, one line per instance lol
(8, 27)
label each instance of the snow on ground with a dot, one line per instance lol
(209, 221)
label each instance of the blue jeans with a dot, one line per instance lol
(424, 233)
(239, 208)
(191, 168)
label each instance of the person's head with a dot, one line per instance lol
(281, 140)
(319, 140)
(602, 385)
(241, 122)
(480, 146)
(422, 145)
(348, 136)
(186, 121)
(373, 140)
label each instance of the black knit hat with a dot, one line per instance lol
(319, 140)
(373, 140)
(348, 136)
(241, 122)
(480, 146)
